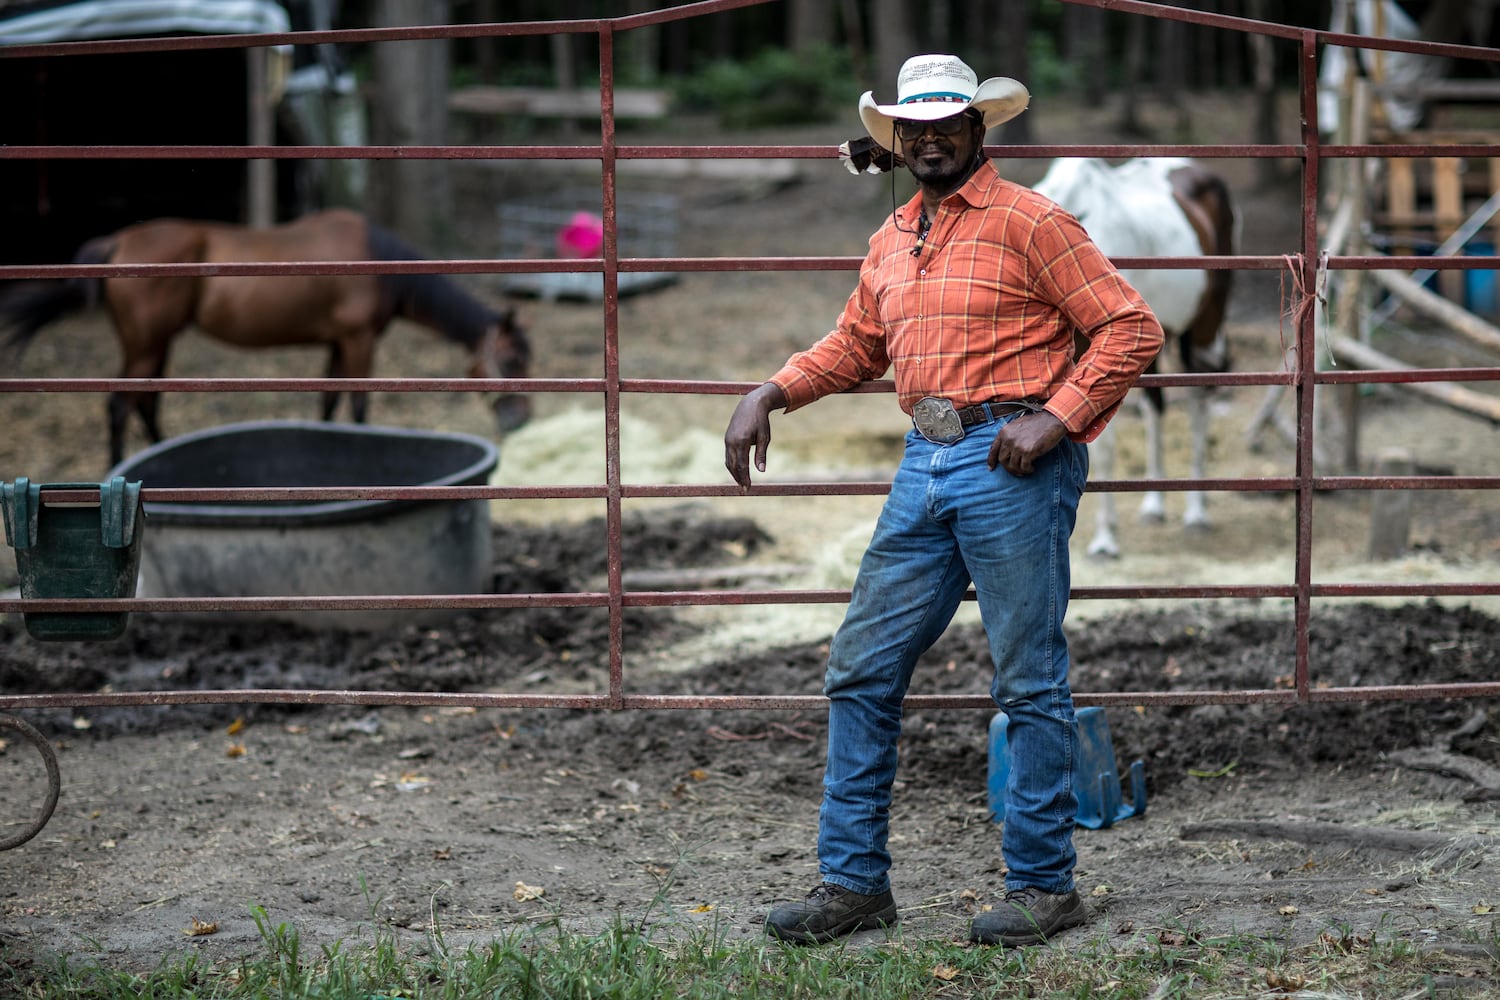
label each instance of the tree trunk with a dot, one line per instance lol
(411, 109)
(858, 42)
(809, 24)
(939, 17)
(486, 50)
(638, 51)
(894, 43)
(1130, 83)
(1013, 25)
(1083, 47)
(1171, 56)
(1263, 63)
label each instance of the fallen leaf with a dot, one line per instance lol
(199, 928)
(1283, 981)
(1483, 908)
(698, 774)
(79, 722)
(235, 750)
(1099, 890)
(1288, 911)
(946, 973)
(236, 727)
(442, 854)
(702, 908)
(526, 893)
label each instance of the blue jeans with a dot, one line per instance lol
(950, 521)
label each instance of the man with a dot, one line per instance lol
(972, 293)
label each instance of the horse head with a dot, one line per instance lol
(505, 352)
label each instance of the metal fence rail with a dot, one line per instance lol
(1304, 268)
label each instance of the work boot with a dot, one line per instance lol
(1028, 916)
(830, 911)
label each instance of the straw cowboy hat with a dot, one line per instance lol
(937, 86)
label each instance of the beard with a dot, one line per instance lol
(945, 173)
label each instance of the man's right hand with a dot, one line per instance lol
(750, 429)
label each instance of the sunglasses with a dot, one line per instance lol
(909, 130)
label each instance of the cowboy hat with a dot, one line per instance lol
(937, 86)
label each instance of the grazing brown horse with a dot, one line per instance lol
(348, 312)
(1158, 207)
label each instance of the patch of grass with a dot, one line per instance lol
(631, 960)
(650, 956)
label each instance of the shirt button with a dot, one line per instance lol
(923, 272)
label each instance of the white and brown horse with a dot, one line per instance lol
(347, 312)
(1158, 207)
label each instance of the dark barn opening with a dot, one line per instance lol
(48, 207)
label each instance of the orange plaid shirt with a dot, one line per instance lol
(987, 311)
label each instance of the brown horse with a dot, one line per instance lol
(348, 312)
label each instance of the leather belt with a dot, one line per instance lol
(940, 422)
(981, 413)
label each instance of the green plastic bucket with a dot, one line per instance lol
(78, 550)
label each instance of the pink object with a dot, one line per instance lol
(583, 236)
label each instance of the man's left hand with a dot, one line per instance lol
(1024, 440)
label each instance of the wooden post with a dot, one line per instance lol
(412, 195)
(1352, 286)
(1401, 200)
(1495, 186)
(260, 175)
(1390, 510)
(1448, 215)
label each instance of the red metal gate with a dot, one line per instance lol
(1305, 268)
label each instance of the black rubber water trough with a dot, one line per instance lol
(290, 548)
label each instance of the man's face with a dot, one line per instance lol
(939, 153)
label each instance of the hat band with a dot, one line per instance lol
(946, 96)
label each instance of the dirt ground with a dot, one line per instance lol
(1340, 821)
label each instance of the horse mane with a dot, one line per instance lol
(433, 300)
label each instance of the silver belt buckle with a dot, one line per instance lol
(937, 420)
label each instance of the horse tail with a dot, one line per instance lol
(33, 305)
